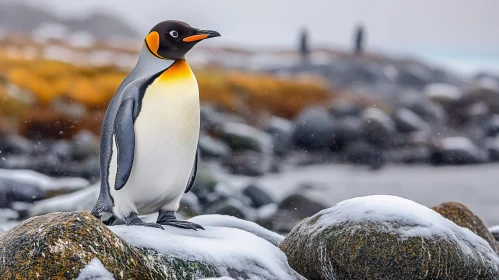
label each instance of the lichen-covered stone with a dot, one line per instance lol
(60, 245)
(464, 217)
(346, 243)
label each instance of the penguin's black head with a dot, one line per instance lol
(173, 39)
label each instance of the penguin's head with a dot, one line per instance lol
(173, 39)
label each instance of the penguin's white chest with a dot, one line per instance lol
(166, 138)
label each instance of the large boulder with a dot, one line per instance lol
(386, 237)
(71, 245)
(463, 217)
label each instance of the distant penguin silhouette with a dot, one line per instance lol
(150, 133)
(359, 39)
(303, 46)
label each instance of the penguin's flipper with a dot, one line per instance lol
(125, 141)
(193, 174)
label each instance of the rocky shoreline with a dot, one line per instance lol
(368, 237)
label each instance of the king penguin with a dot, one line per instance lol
(148, 152)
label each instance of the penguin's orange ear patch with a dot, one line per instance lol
(152, 42)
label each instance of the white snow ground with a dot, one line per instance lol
(225, 248)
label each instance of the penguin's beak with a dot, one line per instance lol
(201, 35)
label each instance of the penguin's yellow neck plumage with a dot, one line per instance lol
(178, 72)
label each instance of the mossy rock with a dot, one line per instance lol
(60, 245)
(464, 217)
(355, 241)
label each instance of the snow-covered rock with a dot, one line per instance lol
(457, 150)
(134, 252)
(378, 127)
(443, 93)
(408, 121)
(387, 237)
(464, 217)
(46, 183)
(495, 232)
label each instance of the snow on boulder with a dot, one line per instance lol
(75, 244)
(232, 251)
(442, 93)
(95, 270)
(44, 182)
(408, 121)
(457, 150)
(81, 200)
(387, 237)
(232, 222)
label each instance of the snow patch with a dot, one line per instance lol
(95, 270)
(459, 143)
(442, 92)
(81, 200)
(44, 182)
(223, 247)
(232, 222)
(388, 211)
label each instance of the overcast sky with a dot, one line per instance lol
(440, 25)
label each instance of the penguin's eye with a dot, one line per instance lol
(174, 33)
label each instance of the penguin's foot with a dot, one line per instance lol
(134, 220)
(167, 218)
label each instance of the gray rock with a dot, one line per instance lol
(378, 127)
(258, 196)
(12, 191)
(249, 163)
(15, 145)
(231, 207)
(407, 121)
(492, 127)
(314, 130)
(385, 237)
(362, 153)
(189, 205)
(292, 210)
(85, 144)
(281, 131)
(212, 148)
(457, 150)
(495, 232)
(345, 108)
(244, 137)
(346, 130)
